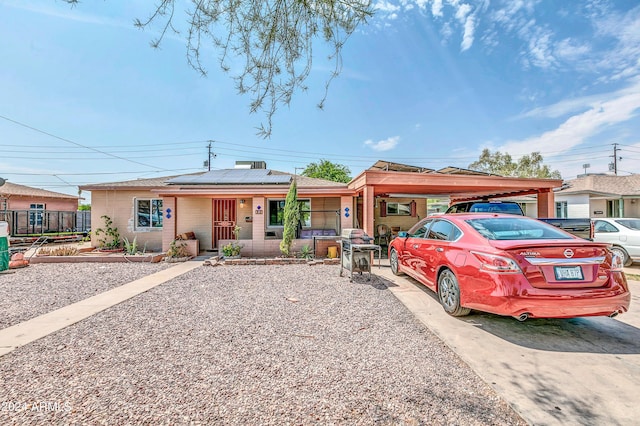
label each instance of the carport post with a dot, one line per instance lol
(368, 212)
(546, 203)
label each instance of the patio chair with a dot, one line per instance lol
(383, 235)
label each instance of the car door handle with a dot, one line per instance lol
(439, 249)
(415, 246)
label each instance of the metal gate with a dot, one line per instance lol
(224, 220)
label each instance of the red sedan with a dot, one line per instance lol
(511, 265)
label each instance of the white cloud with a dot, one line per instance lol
(541, 49)
(436, 8)
(467, 37)
(387, 7)
(612, 109)
(571, 50)
(383, 145)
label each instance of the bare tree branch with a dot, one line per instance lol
(275, 38)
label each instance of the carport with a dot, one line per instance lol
(455, 183)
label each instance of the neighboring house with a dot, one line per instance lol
(32, 210)
(210, 204)
(599, 195)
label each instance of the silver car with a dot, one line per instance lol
(623, 233)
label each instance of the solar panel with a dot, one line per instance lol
(232, 177)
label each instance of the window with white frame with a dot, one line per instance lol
(561, 209)
(398, 209)
(148, 213)
(36, 213)
(276, 212)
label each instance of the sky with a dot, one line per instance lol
(85, 99)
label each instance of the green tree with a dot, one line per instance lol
(502, 164)
(329, 171)
(291, 219)
(84, 207)
(274, 39)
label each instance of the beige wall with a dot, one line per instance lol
(631, 208)
(194, 215)
(244, 212)
(119, 206)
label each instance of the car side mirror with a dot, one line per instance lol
(403, 234)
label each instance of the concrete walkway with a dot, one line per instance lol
(26, 332)
(552, 372)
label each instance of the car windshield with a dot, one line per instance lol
(496, 207)
(630, 223)
(507, 228)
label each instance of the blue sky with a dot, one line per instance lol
(85, 99)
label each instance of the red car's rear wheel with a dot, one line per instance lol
(449, 294)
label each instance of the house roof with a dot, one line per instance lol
(607, 185)
(205, 179)
(233, 177)
(145, 183)
(10, 189)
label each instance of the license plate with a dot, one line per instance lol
(568, 273)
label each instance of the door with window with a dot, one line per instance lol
(224, 220)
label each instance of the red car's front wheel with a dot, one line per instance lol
(393, 261)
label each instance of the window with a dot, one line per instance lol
(561, 209)
(630, 223)
(443, 230)
(516, 228)
(36, 212)
(148, 213)
(602, 226)
(420, 230)
(276, 212)
(398, 209)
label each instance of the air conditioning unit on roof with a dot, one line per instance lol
(251, 165)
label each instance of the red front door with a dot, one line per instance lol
(224, 220)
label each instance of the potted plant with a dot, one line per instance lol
(177, 252)
(232, 250)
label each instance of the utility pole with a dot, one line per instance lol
(615, 159)
(211, 154)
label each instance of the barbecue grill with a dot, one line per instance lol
(356, 249)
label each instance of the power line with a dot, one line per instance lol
(75, 143)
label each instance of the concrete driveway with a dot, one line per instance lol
(552, 371)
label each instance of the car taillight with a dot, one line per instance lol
(617, 264)
(494, 263)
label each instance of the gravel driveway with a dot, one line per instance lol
(267, 344)
(41, 288)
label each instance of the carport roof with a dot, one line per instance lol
(458, 187)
